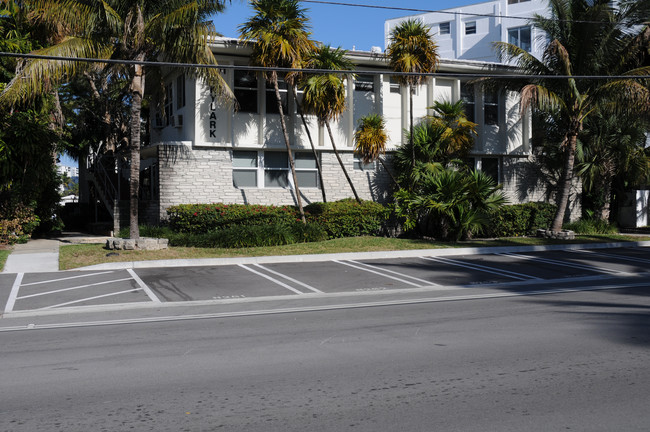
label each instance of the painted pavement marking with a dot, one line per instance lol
(91, 298)
(71, 288)
(378, 273)
(282, 284)
(309, 287)
(14, 293)
(67, 278)
(506, 273)
(621, 257)
(144, 286)
(564, 264)
(424, 281)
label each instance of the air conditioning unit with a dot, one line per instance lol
(176, 121)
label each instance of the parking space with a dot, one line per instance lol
(178, 284)
(35, 291)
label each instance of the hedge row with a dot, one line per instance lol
(344, 218)
(520, 219)
(17, 223)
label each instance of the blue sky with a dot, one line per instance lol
(343, 26)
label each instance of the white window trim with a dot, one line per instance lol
(260, 169)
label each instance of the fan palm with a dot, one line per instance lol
(411, 49)
(135, 30)
(324, 94)
(587, 37)
(459, 131)
(279, 37)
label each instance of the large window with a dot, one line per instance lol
(180, 91)
(360, 166)
(491, 107)
(246, 91)
(270, 169)
(520, 36)
(364, 83)
(271, 99)
(467, 96)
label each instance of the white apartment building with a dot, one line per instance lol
(468, 32)
(204, 151)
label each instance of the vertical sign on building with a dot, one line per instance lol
(212, 119)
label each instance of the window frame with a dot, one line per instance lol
(470, 27)
(168, 105)
(180, 91)
(518, 38)
(262, 168)
(444, 28)
(358, 165)
(244, 90)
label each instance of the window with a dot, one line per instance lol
(360, 166)
(467, 96)
(491, 107)
(364, 83)
(520, 36)
(246, 91)
(490, 166)
(444, 28)
(244, 168)
(169, 103)
(394, 85)
(516, 1)
(270, 169)
(272, 101)
(180, 91)
(470, 27)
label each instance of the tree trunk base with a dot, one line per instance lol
(557, 235)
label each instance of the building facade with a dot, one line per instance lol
(206, 150)
(468, 32)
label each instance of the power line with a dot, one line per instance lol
(318, 71)
(440, 11)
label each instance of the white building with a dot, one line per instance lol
(68, 170)
(468, 32)
(204, 151)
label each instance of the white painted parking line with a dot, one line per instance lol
(378, 273)
(14, 293)
(91, 298)
(564, 264)
(71, 288)
(144, 286)
(381, 269)
(309, 287)
(282, 284)
(621, 257)
(67, 278)
(506, 273)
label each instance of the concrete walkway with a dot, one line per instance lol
(40, 255)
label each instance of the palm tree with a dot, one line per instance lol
(588, 37)
(370, 141)
(279, 36)
(324, 94)
(411, 49)
(135, 30)
(460, 132)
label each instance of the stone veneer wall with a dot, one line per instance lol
(204, 175)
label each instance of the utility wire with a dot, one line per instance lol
(448, 12)
(495, 75)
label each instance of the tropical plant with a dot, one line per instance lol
(279, 36)
(449, 203)
(138, 31)
(459, 131)
(324, 94)
(370, 141)
(411, 49)
(587, 37)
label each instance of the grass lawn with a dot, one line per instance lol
(73, 256)
(4, 253)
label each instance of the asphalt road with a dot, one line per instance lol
(572, 361)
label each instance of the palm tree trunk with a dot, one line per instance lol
(411, 91)
(311, 142)
(274, 79)
(336, 152)
(137, 90)
(566, 179)
(381, 161)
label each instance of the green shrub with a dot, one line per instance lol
(17, 223)
(591, 226)
(348, 218)
(520, 219)
(203, 218)
(152, 231)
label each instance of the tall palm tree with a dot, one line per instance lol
(411, 49)
(279, 36)
(135, 30)
(459, 131)
(587, 37)
(324, 94)
(370, 141)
